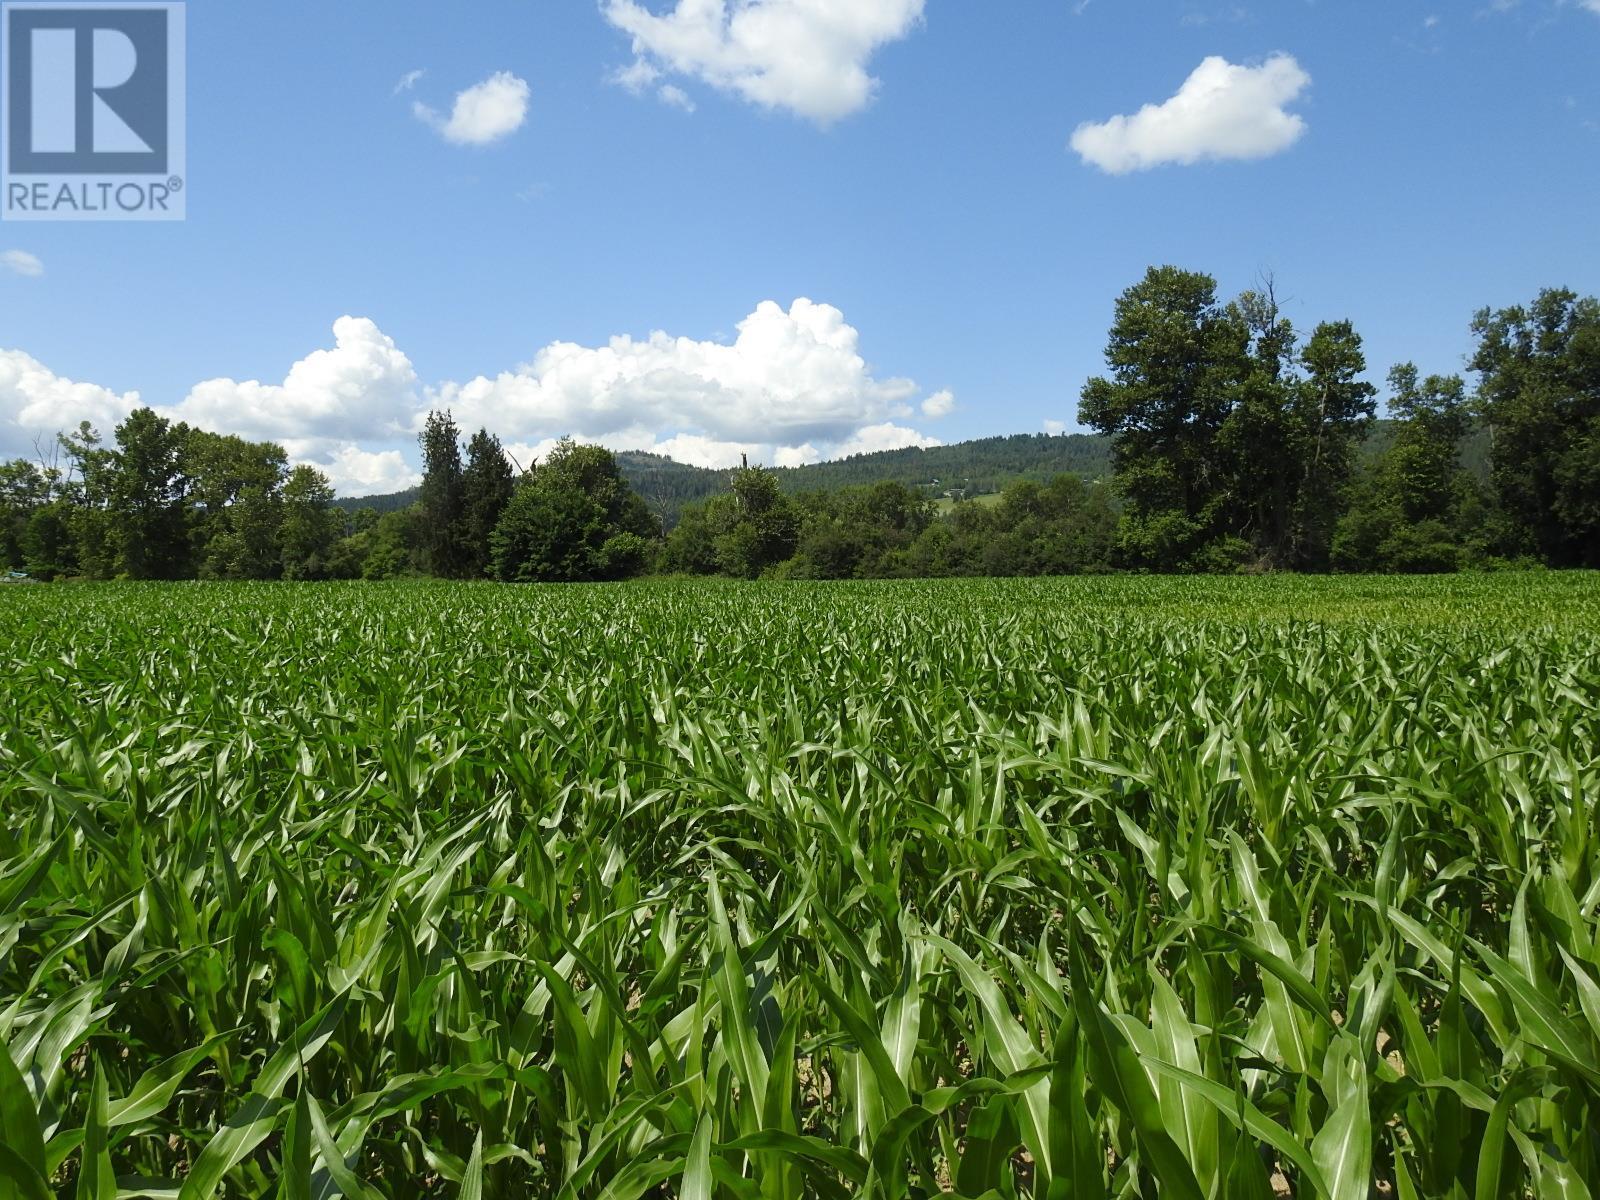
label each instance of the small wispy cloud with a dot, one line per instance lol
(1197, 18)
(20, 262)
(634, 77)
(641, 75)
(674, 96)
(408, 81)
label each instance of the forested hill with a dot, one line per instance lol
(976, 467)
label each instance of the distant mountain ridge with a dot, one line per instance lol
(976, 467)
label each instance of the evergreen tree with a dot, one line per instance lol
(486, 488)
(441, 497)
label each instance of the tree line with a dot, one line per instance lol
(1237, 443)
(163, 500)
(1234, 439)
(1240, 444)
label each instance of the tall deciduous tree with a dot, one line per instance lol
(234, 499)
(36, 509)
(147, 498)
(22, 492)
(756, 527)
(1257, 446)
(311, 524)
(1231, 444)
(1539, 389)
(1425, 459)
(1177, 357)
(1335, 406)
(90, 475)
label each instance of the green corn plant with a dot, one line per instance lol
(1128, 887)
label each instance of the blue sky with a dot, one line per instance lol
(907, 167)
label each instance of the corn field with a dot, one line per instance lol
(1080, 888)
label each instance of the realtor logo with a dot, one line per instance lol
(92, 126)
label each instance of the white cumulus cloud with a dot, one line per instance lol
(809, 57)
(792, 379)
(792, 387)
(484, 113)
(37, 403)
(20, 262)
(363, 388)
(1222, 111)
(886, 436)
(796, 456)
(357, 472)
(701, 451)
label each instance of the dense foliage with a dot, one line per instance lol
(572, 519)
(1540, 399)
(888, 530)
(1236, 446)
(1122, 887)
(1230, 445)
(165, 501)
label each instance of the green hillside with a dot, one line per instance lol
(977, 467)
